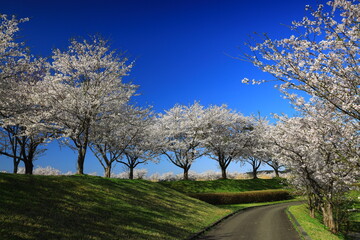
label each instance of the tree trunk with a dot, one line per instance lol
(276, 172)
(80, 160)
(223, 173)
(328, 217)
(27, 155)
(131, 173)
(29, 166)
(254, 174)
(311, 203)
(108, 171)
(83, 142)
(16, 165)
(186, 173)
(312, 211)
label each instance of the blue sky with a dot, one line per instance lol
(184, 50)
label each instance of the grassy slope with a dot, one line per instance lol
(312, 226)
(316, 230)
(74, 207)
(228, 185)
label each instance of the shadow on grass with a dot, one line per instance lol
(81, 207)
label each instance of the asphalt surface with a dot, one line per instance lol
(260, 223)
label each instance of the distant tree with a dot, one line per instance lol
(275, 165)
(227, 135)
(266, 148)
(141, 148)
(104, 141)
(180, 133)
(255, 164)
(257, 151)
(123, 136)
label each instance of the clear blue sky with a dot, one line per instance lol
(184, 51)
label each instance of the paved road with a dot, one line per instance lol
(260, 223)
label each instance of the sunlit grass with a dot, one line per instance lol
(312, 226)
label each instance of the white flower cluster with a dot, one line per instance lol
(322, 146)
(323, 60)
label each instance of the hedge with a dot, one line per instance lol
(243, 197)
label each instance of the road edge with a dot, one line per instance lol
(196, 235)
(297, 226)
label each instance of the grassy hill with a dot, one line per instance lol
(228, 185)
(85, 207)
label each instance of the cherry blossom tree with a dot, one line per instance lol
(257, 149)
(266, 147)
(105, 139)
(10, 53)
(22, 143)
(321, 59)
(14, 64)
(180, 133)
(26, 126)
(321, 149)
(255, 164)
(140, 148)
(227, 135)
(124, 138)
(22, 119)
(275, 165)
(85, 86)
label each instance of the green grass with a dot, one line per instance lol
(85, 207)
(236, 207)
(317, 231)
(354, 197)
(312, 226)
(228, 185)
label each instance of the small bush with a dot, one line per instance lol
(243, 197)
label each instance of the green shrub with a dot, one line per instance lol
(226, 185)
(243, 197)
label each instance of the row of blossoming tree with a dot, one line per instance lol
(78, 97)
(319, 73)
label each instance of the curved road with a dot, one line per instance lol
(259, 223)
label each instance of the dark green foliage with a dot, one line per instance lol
(351, 209)
(227, 185)
(244, 197)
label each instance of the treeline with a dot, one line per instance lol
(79, 97)
(318, 71)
